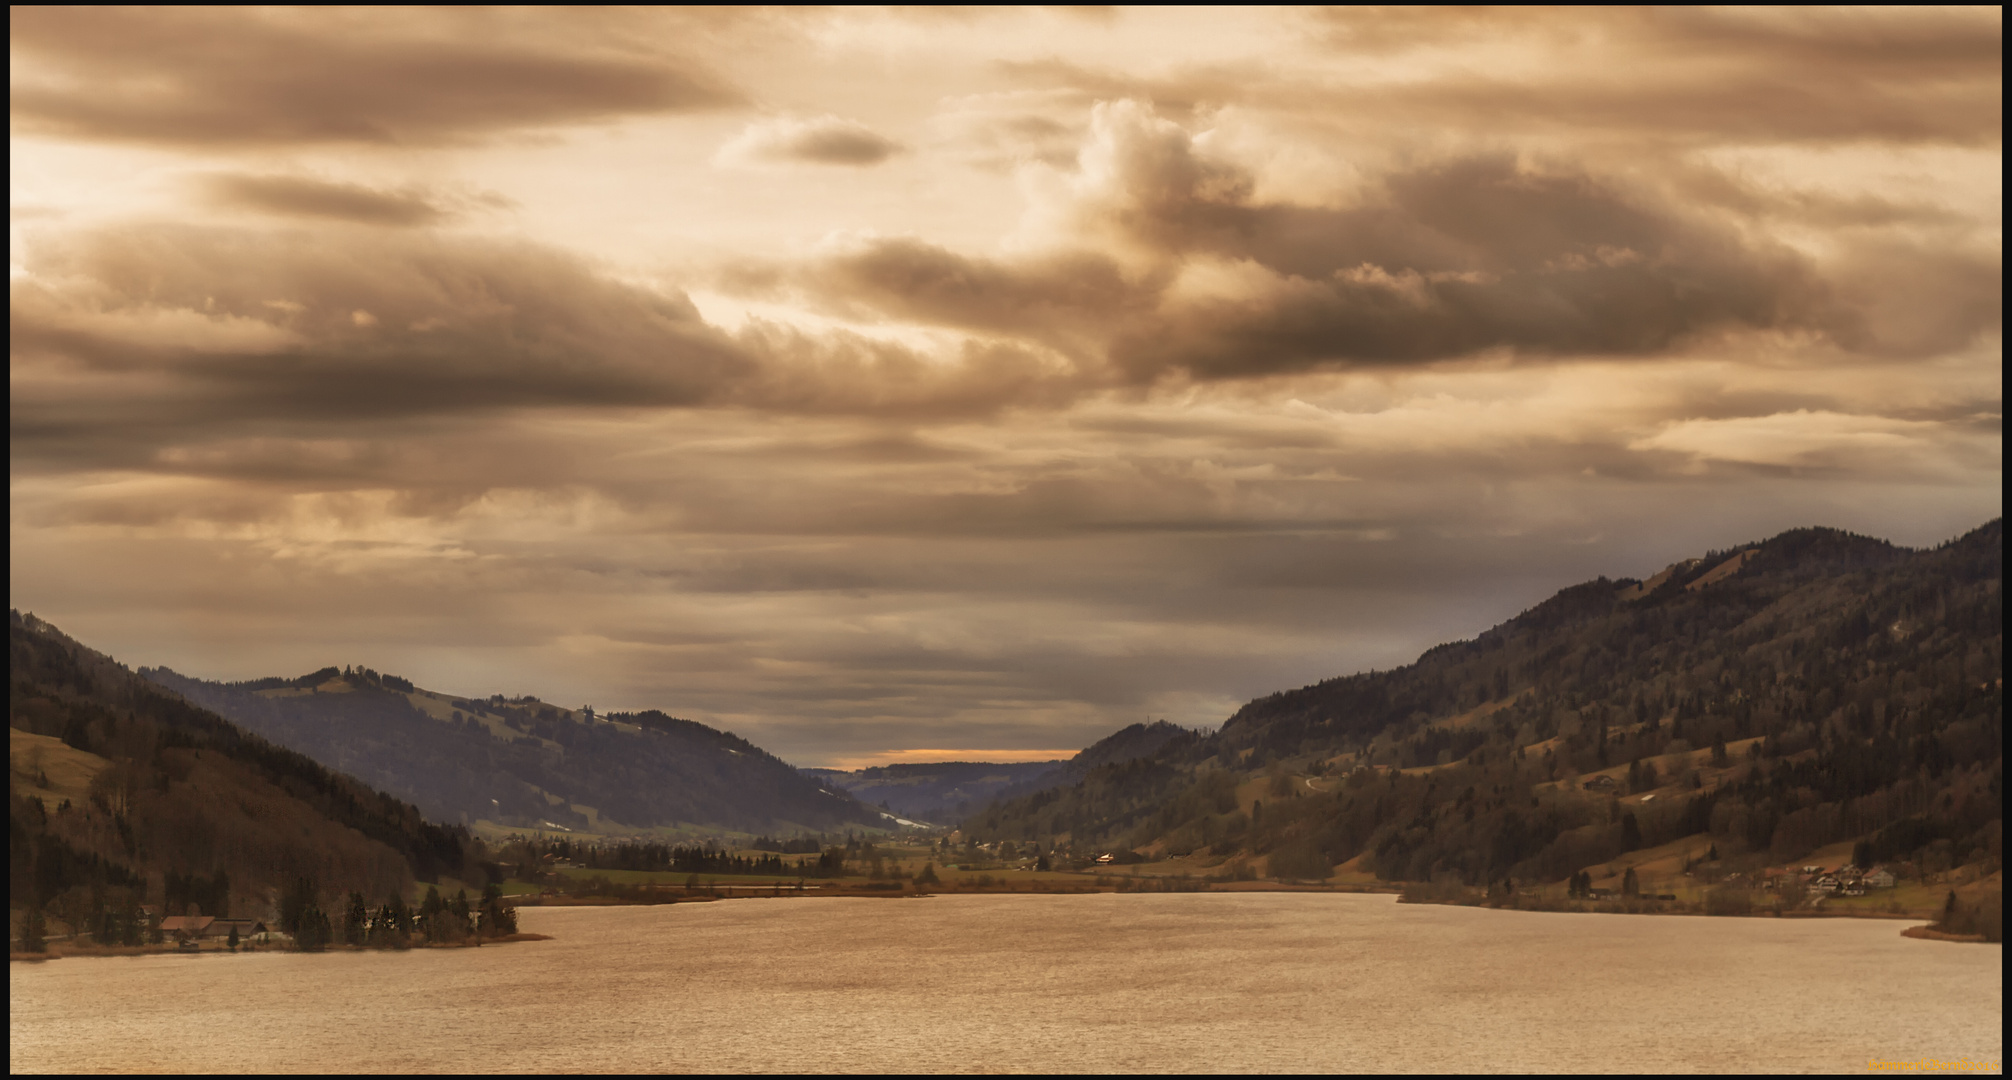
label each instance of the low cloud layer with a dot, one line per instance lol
(470, 346)
(822, 140)
(306, 197)
(220, 78)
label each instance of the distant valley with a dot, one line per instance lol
(943, 793)
(936, 793)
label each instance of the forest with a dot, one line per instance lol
(529, 858)
(158, 802)
(1766, 700)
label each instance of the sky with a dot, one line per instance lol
(888, 385)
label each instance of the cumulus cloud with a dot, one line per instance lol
(1162, 260)
(1003, 130)
(819, 140)
(224, 78)
(1442, 261)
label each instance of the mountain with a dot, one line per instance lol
(120, 792)
(1761, 702)
(937, 792)
(945, 792)
(523, 763)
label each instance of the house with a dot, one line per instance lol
(1601, 783)
(1783, 877)
(1879, 878)
(1826, 884)
(187, 927)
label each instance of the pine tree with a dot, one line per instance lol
(33, 930)
(431, 909)
(298, 899)
(497, 917)
(312, 933)
(355, 921)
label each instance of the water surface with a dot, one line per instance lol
(1183, 982)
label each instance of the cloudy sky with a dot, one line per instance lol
(880, 385)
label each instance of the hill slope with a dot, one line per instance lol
(523, 763)
(1767, 700)
(121, 792)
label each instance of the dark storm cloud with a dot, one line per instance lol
(231, 77)
(1441, 262)
(1473, 255)
(299, 196)
(128, 341)
(164, 327)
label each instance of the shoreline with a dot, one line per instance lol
(1924, 930)
(1154, 885)
(68, 951)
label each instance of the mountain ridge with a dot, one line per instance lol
(521, 763)
(121, 791)
(1826, 687)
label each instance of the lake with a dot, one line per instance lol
(1253, 982)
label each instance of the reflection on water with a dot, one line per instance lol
(1222, 981)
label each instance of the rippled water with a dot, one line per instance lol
(1182, 982)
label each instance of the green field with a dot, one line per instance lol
(650, 877)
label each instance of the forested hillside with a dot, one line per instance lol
(122, 793)
(524, 763)
(1766, 700)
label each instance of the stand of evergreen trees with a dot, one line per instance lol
(673, 858)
